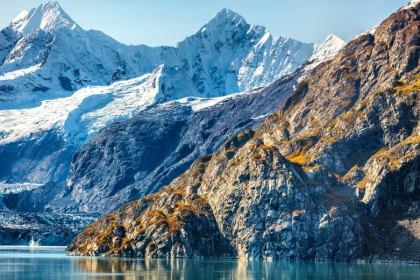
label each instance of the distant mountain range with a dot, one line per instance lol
(61, 85)
(62, 82)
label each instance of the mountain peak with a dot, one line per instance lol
(410, 4)
(48, 17)
(225, 16)
(332, 37)
(331, 46)
(227, 12)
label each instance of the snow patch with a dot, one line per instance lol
(198, 104)
(409, 5)
(73, 112)
(323, 52)
(83, 114)
(17, 188)
(370, 31)
(18, 73)
(260, 117)
(330, 47)
(20, 18)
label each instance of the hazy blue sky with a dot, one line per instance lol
(166, 22)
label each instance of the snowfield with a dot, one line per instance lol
(17, 188)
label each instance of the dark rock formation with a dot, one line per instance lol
(20, 228)
(42, 156)
(333, 175)
(32, 200)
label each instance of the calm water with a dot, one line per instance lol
(52, 263)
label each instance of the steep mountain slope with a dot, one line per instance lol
(333, 175)
(139, 156)
(49, 62)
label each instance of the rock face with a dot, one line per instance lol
(180, 219)
(24, 219)
(333, 175)
(249, 193)
(33, 160)
(47, 229)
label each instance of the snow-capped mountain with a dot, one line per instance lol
(410, 4)
(62, 84)
(44, 50)
(49, 17)
(328, 48)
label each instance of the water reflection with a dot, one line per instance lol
(158, 269)
(38, 263)
(236, 269)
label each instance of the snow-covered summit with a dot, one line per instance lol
(323, 52)
(48, 52)
(331, 46)
(225, 16)
(410, 4)
(222, 25)
(47, 17)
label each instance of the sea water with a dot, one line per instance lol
(52, 263)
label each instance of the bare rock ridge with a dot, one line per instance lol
(333, 175)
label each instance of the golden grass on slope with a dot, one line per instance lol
(301, 159)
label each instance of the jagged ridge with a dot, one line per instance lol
(42, 69)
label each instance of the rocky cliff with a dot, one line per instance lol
(333, 175)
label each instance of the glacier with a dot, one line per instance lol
(57, 78)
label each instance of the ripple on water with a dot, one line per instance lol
(24, 262)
